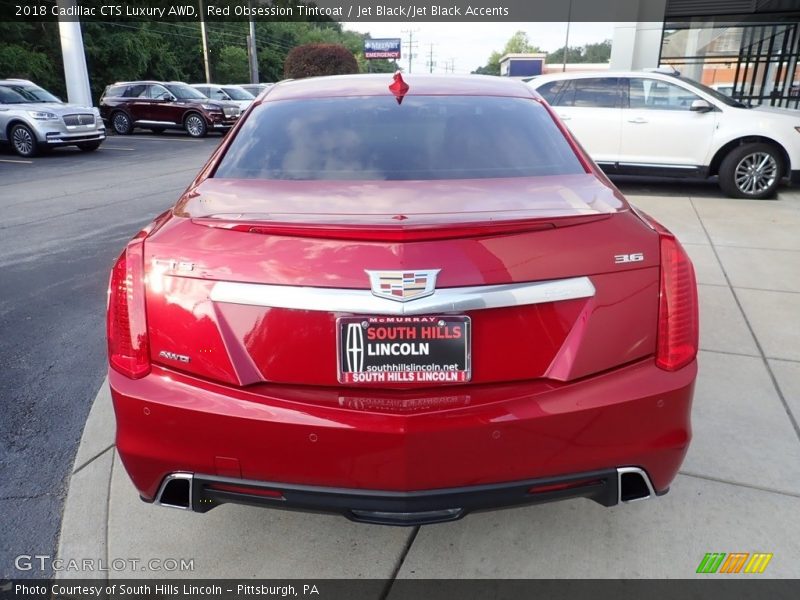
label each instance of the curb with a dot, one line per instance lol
(84, 523)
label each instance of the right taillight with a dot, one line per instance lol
(678, 323)
(128, 346)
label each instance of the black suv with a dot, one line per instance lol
(158, 105)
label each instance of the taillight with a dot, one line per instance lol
(677, 312)
(128, 346)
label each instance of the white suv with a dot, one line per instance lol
(652, 123)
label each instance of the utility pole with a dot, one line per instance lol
(431, 62)
(412, 45)
(205, 42)
(566, 41)
(251, 49)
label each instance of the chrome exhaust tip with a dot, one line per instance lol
(633, 484)
(176, 491)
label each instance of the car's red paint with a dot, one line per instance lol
(417, 440)
(557, 388)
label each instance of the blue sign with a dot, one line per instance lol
(382, 48)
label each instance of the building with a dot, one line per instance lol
(748, 49)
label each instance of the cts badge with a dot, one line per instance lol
(403, 286)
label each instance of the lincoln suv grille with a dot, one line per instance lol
(83, 119)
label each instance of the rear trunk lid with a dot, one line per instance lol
(247, 282)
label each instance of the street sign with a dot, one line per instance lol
(382, 48)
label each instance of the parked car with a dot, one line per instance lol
(650, 123)
(255, 88)
(232, 93)
(159, 105)
(33, 120)
(401, 301)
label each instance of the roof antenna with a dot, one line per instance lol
(399, 87)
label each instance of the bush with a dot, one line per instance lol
(310, 60)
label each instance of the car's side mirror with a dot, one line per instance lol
(700, 106)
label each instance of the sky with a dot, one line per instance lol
(470, 44)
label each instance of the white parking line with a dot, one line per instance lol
(17, 162)
(154, 139)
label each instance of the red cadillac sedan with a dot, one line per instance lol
(401, 301)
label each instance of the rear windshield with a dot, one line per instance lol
(375, 138)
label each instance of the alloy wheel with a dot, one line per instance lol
(121, 123)
(23, 141)
(756, 173)
(194, 125)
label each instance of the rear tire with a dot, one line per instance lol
(751, 171)
(195, 125)
(89, 146)
(121, 123)
(23, 140)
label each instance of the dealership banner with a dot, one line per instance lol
(476, 11)
(399, 589)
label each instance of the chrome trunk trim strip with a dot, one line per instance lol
(444, 300)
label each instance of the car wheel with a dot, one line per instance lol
(121, 123)
(23, 140)
(195, 125)
(751, 171)
(89, 146)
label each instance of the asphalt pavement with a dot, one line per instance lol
(64, 218)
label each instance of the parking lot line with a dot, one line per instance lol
(165, 139)
(16, 162)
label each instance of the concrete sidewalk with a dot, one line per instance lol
(738, 491)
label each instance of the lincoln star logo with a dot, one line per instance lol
(403, 285)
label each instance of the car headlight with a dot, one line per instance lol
(212, 107)
(41, 115)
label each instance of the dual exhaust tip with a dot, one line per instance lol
(633, 484)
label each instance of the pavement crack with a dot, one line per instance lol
(406, 549)
(26, 496)
(751, 486)
(92, 459)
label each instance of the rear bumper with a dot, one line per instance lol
(635, 416)
(201, 493)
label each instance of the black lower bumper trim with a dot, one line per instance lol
(403, 508)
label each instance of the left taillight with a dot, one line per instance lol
(678, 323)
(128, 344)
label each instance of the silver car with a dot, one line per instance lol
(32, 120)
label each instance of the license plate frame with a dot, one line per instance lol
(440, 350)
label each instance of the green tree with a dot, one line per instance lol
(590, 53)
(232, 66)
(517, 44)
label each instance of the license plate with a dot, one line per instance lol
(426, 349)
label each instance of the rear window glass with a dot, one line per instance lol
(425, 137)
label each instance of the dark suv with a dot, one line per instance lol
(159, 105)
